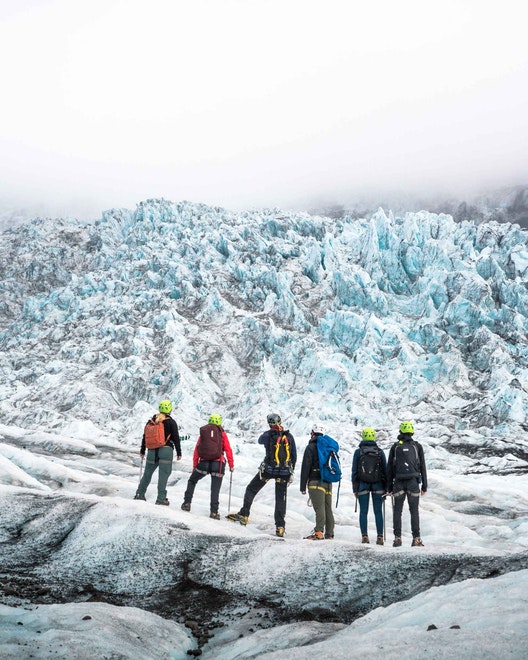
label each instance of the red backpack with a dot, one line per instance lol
(211, 447)
(155, 432)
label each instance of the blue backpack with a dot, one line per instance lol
(329, 465)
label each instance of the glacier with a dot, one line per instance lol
(348, 322)
(390, 317)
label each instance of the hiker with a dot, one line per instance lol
(278, 464)
(208, 458)
(406, 477)
(320, 492)
(160, 438)
(369, 477)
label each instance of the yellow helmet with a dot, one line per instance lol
(165, 406)
(407, 427)
(368, 434)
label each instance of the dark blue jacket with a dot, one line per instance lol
(268, 440)
(358, 485)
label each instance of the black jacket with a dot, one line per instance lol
(310, 464)
(172, 436)
(391, 477)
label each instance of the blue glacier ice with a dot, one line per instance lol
(351, 321)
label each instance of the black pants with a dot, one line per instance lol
(410, 489)
(216, 469)
(256, 485)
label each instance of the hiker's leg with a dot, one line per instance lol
(329, 514)
(363, 499)
(150, 468)
(165, 455)
(281, 488)
(254, 487)
(195, 477)
(377, 505)
(399, 499)
(413, 496)
(317, 496)
(216, 483)
(217, 469)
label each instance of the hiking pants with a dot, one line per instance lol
(256, 485)
(321, 497)
(409, 488)
(216, 469)
(161, 458)
(364, 493)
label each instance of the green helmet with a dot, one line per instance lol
(407, 427)
(215, 419)
(368, 434)
(165, 406)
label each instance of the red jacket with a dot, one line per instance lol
(226, 449)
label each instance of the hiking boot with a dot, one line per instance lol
(214, 515)
(140, 497)
(279, 531)
(186, 506)
(315, 536)
(365, 539)
(329, 537)
(238, 517)
(397, 542)
(417, 543)
(164, 503)
(379, 540)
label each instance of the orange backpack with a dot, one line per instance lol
(155, 432)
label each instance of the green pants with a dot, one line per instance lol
(321, 497)
(164, 463)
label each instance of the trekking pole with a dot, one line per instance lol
(338, 489)
(384, 520)
(229, 498)
(355, 508)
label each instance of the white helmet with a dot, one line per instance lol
(317, 428)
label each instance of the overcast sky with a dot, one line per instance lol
(250, 103)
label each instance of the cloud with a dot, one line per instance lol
(258, 103)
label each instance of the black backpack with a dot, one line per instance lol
(278, 459)
(369, 464)
(211, 443)
(406, 463)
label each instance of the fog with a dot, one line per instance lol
(250, 103)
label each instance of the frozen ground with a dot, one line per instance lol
(69, 519)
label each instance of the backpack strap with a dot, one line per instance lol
(284, 439)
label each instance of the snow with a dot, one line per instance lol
(346, 323)
(89, 630)
(490, 611)
(476, 514)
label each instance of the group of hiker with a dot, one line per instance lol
(401, 476)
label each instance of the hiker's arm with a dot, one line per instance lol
(226, 446)
(384, 469)
(175, 437)
(423, 469)
(354, 475)
(390, 477)
(305, 469)
(293, 450)
(196, 456)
